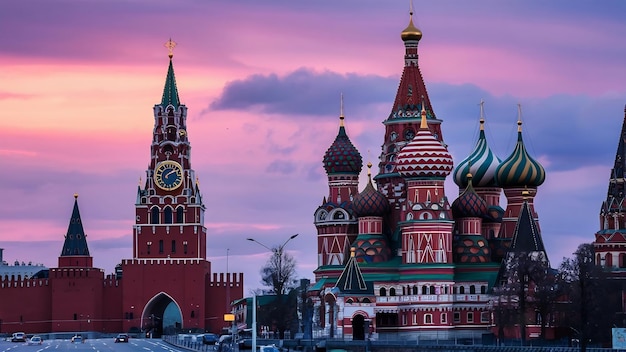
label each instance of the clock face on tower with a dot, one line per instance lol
(168, 175)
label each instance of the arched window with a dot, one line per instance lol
(179, 215)
(383, 292)
(154, 218)
(415, 290)
(366, 300)
(622, 260)
(598, 260)
(608, 259)
(392, 291)
(167, 215)
(483, 289)
(462, 290)
(428, 318)
(424, 290)
(432, 289)
(472, 290)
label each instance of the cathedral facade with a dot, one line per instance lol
(395, 258)
(166, 285)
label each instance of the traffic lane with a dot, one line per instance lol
(104, 345)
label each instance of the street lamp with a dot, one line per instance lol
(278, 252)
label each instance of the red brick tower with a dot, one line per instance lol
(168, 280)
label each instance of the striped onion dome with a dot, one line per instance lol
(370, 202)
(424, 156)
(519, 169)
(469, 204)
(481, 163)
(342, 156)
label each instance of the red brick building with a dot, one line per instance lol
(167, 283)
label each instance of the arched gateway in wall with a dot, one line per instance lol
(161, 315)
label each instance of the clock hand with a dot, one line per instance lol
(169, 173)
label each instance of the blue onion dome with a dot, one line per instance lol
(482, 163)
(370, 202)
(411, 32)
(342, 156)
(371, 249)
(424, 156)
(469, 204)
(519, 169)
(472, 249)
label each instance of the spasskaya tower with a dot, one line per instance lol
(169, 277)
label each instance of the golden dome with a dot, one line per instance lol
(411, 32)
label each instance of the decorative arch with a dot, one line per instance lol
(321, 215)
(167, 215)
(339, 214)
(161, 315)
(154, 215)
(358, 326)
(180, 214)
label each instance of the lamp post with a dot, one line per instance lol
(278, 252)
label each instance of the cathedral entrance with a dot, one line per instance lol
(161, 316)
(358, 327)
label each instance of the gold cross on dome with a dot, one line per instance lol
(170, 45)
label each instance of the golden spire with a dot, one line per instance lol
(170, 45)
(424, 123)
(341, 117)
(369, 171)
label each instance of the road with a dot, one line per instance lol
(96, 345)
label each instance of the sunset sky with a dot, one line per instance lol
(262, 81)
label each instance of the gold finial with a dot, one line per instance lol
(482, 115)
(411, 32)
(519, 117)
(341, 117)
(352, 250)
(369, 170)
(170, 45)
(424, 123)
(197, 181)
(75, 195)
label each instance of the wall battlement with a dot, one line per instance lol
(224, 279)
(19, 282)
(164, 261)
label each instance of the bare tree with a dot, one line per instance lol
(588, 314)
(279, 275)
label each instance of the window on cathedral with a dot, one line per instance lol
(432, 289)
(366, 300)
(185, 247)
(424, 290)
(173, 246)
(149, 246)
(404, 319)
(484, 317)
(462, 290)
(472, 290)
(161, 249)
(167, 215)
(414, 290)
(383, 292)
(483, 289)
(154, 218)
(444, 318)
(179, 215)
(428, 318)
(457, 317)
(470, 317)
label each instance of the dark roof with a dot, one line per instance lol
(75, 239)
(526, 237)
(351, 279)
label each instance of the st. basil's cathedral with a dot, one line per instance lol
(397, 260)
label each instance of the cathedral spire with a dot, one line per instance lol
(170, 92)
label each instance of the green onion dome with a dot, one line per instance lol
(481, 163)
(519, 169)
(342, 156)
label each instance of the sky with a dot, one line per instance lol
(262, 81)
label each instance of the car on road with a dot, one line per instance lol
(77, 339)
(35, 340)
(121, 338)
(18, 337)
(210, 339)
